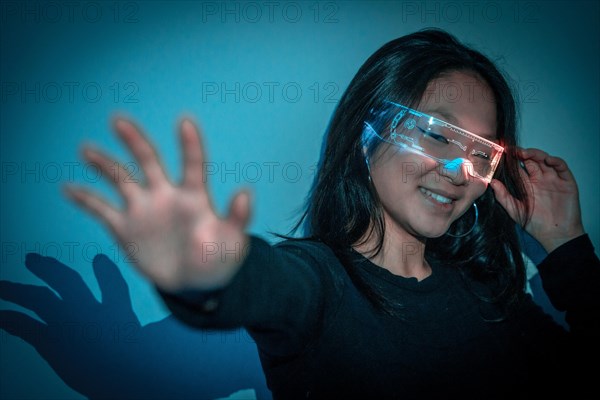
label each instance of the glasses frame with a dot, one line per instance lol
(499, 150)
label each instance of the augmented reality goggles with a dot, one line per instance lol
(453, 147)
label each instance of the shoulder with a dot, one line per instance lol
(308, 246)
(300, 252)
(315, 255)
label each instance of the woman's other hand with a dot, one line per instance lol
(553, 199)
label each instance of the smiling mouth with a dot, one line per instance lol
(437, 197)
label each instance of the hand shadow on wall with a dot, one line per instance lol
(101, 350)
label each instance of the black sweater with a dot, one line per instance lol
(319, 337)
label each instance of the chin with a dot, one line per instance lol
(434, 235)
(430, 233)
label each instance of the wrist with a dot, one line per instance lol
(552, 242)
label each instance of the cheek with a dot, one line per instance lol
(476, 189)
(392, 172)
(406, 167)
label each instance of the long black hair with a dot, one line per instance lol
(342, 204)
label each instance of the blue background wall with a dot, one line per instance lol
(262, 79)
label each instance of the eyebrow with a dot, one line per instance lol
(448, 117)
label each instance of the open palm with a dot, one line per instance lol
(171, 231)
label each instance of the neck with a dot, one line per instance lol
(402, 253)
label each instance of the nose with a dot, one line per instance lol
(458, 171)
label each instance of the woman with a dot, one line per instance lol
(410, 281)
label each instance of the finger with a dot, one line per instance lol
(114, 289)
(115, 172)
(193, 155)
(23, 326)
(67, 282)
(38, 299)
(532, 153)
(239, 209)
(533, 170)
(561, 168)
(143, 152)
(95, 205)
(513, 207)
(537, 156)
(528, 181)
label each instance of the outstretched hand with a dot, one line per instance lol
(553, 199)
(171, 226)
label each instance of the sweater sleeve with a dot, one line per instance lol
(571, 278)
(277, 294)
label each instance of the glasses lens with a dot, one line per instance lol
(445, 142)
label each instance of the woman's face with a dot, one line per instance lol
(410, 185)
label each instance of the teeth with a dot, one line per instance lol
(435, 196)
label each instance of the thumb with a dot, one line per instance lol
(239, 209)
(506, 200)
(114, 289)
